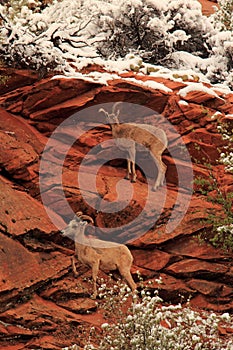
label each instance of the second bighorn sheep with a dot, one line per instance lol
(128, 135)
(98, 254)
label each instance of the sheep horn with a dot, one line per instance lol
(105, 112)
(85, 217)
(114, 108)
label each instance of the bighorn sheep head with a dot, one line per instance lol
(112, 118)
(83, 217)
(78, 221)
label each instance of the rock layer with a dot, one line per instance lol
(42, 306)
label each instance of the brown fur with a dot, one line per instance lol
(98, 254)
(147, 139)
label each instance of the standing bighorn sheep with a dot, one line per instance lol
(128, 135)
(98, 254)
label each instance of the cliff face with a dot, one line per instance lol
(41, 303)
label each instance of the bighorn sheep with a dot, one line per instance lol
(128, 135)
(98, 254)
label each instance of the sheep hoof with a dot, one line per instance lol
(133, 181)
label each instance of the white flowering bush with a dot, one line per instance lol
(227, 160)
(226, 157)
(141, 322)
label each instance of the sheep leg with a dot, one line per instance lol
(125, 273)
(127, 177)
(161, 176)
(95, 269)
(133, 172)
(73, 266)
(161, 171)
(132, 157)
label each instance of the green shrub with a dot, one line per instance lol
(222, 226)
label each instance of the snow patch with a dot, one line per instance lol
(192, 87)
(150, 84)
(94, 77)
(183, 103)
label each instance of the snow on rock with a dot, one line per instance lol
(196, 87)
(183, 103)
(150, 84)
(95, 77)
(70, 35)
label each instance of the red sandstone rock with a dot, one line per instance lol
(61, 290)
(22, 213)
(43, 315)
(203, 98)
(170, 288)
(205, 303)
(205, 287)
(35, 263)
(60, 90)
(194, 112)
(17, 78)
(200, 145)
(79, 306)
(23, 271)
(195, 248)
(192, 222)
(229, 276)
(195, 268)
(16, 156)
(152, 259)
(21, 130)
